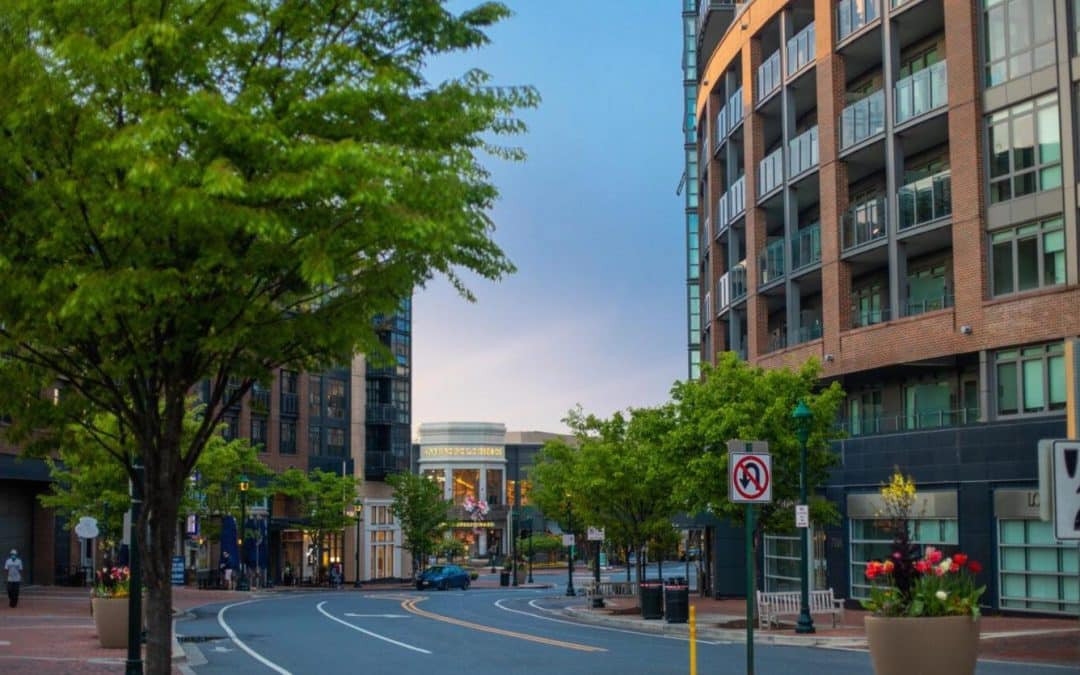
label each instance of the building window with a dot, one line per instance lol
(1025, 149)
(494, 487)
(870, 540)
(782, 560)
(1028, 257)
(1037, 572)
(231, 430)
(927, 405)
(314, 396)
(868, 306)
(525, 486)
(335, 399)
(289, 403)
(1030, 379)
(928, 289)
(288, 437)
(314, 434)
(439, 476)
(335, 442)
(1019, 38)
(864, 413)
(258, 432)
(466, 482)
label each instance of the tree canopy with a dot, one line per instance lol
(420, 508)
(201, 190)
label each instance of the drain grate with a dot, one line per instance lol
(199, 638)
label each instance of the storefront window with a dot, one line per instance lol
(1037, 572)
(494, 487)
(439, 476)
(466, 482)
(511, 486)
(871, 541)
(382, 554)
(782, 561)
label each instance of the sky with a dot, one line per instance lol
(595, 314)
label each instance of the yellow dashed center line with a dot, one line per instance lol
(410, 606)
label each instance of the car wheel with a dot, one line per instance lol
(465, 586)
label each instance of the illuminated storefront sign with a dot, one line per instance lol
(431, 452)
(471, 524)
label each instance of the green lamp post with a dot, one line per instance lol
(242, 583)
(802, 415)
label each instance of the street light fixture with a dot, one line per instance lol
(803, 416)
(245, 484)
(570, 552)
(358, 513)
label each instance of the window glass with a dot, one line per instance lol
(1054, 257)
(1027, 263)
(1049, 136)
(1003, 270)
(1056, 368)
(466, 482)
(1006, 381)
(1034, 387)
(439, 476)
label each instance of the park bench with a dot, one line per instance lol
(610, 589)
(772, 606)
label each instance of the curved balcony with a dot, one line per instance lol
(800, 50)
(768, 76)
(851, 15)
(803, 152)
(771, 172)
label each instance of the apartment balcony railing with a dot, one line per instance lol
(851, 15)
(809, 330)
(734, 109)
(709, 315)
(720, 128)
(868, 317)
(722, 214)
(918, 419)
(737, 284)
(741, 353)
(723, 292)
(925, 200)
(771, 172)
(707, 232)
(921, 92)
(777, 339)
(290, 403)
(260, 399)
(806, 247)
(380, 413)
(931, 304)
(736, 195)
(768, 76)
(800, 50)
(771, 262)
(862, 119)
(803, 152)
(864, 223)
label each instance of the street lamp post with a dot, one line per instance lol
(802, 417)
(530, 555)
(570, 552)
(242, 583)
(358, 505)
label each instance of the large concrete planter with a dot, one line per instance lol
(111, 620)
(942, 645)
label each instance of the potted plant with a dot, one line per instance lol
(925, 609)
(110, 606)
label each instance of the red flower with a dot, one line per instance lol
(888, 567)
(974, 566)
(933, 555)
(922, 567)
(960, 559)
(873, 568)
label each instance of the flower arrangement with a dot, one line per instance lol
(930, 585)
(113, 582)
(477, 509)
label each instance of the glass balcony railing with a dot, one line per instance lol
(861, 317)
(916, 419)
(921, 92)
(809, 330)
(768, 76)
(737, 285)
(806, 247)
(800, 50)
(777, 339)
(864, 223)
(771, 172)
(862, 119)
(720, 128)
(925, 200)
(851, 15)
(771, 262)
(734, 109)
(928, 304)
(737, 198)
(708, 230)
(723, 292)
(722, 216)
(803, 152)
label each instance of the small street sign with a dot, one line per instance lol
(568, 540)
(1067, 489)
(87, 528)
(802, 515)
(595, 534)
(750, 478)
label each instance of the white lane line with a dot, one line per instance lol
(377, 616)
(250, 652)
(328, 615)
(589, 625)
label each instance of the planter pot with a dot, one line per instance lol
(111, 620)
(946, 645)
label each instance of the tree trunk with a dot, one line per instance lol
(628, 550)
(161, 511)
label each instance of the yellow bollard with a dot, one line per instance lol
(693, 640)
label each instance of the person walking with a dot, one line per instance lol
(13, 567)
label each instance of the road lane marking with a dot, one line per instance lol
(239, 643)
(367, 632)
(377, 616)
(581, 624)
(410, 606)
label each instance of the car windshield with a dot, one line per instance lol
(438, 569)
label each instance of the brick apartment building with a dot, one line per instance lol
(890, 186)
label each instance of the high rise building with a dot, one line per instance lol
(890, 186)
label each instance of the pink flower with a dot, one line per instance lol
(933, 555)
(922, 567)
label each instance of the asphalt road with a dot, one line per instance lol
(479, 632)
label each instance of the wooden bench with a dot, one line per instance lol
(772, 606)
(610, 589)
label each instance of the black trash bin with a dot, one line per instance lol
(504, 578)
(652, 599)
(676, 600)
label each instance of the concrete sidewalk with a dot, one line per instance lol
(1054, 641)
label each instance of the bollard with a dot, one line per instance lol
(693, 640)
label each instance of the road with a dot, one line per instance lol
(479, 631)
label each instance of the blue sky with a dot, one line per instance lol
(595, 314)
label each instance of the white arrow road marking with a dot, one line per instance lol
(378, 616)
(223, 650)
(251, 652)
(4, 643)
(358, 629)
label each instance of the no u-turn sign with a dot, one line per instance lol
(750, 478)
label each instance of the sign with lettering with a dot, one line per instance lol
(482, 452)
(177, 570)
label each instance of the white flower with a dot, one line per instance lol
(941, 595)
(945, 565)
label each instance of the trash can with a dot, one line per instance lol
(652, 599)
(676, 600)
(504, 578)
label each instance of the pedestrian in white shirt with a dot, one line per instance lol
(13, 568)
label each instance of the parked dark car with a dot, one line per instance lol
(443, 577)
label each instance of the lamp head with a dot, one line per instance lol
(802, 415)
(244, 483)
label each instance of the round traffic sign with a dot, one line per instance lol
(751, 477)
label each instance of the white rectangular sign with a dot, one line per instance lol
(749, 478)
(1067, 489)
(802, 515)
(595, 534)
(568, 540)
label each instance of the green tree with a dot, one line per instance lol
(214, 491)
(420, 508)
(322, 499)
(198, 190)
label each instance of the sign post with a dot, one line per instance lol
(749, 483)
(596, 534)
